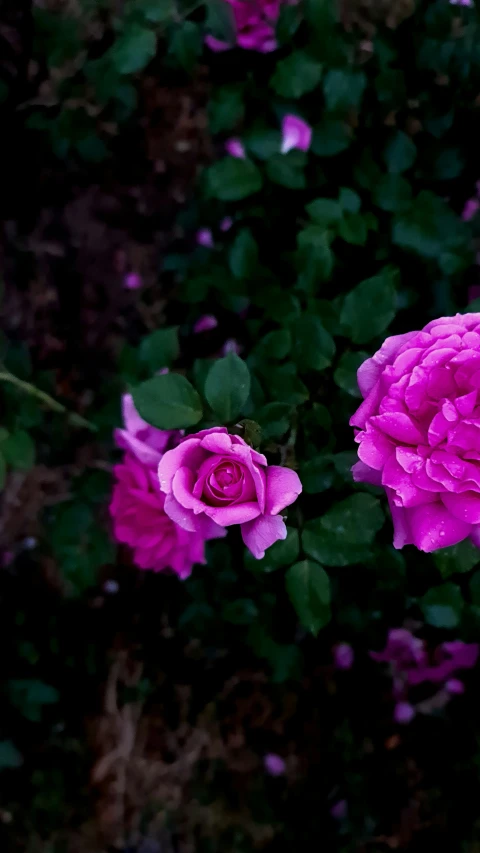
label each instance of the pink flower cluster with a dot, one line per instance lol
(411, 665)
(255, 22)
(418, 431)
(137, 505)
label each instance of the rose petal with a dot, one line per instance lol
(434, 527)
(182, 488)
(364, 474)
(260, 534)
(465, 506)
(399, 427)
(188, 454)
(283, 488)
(225, 516)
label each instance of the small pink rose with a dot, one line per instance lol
(226, 223)
(296, 133)
(274, 764)
(132, 281)
(205, 324)
(204, 237)
(219, 476)
(235, 148)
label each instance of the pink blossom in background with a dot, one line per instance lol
(296, 133)
(205, 324)
(255, 22)
(411, 663)
(204, 237)
(140, 521)
(132, 281)
(217, 476)
(339, 810)
(403, 713)
(235, 148)
(472, 206)
(143, 441)
(343, 656)
(274, 764)
(418, 431)
(226, 223)
(231, 345)
(461, 2)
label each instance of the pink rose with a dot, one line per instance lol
(142, 440)
(418, 431)
(296, 133)
(139, 520)
(218, 476)
(255, 26)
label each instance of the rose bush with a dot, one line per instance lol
(419, 431)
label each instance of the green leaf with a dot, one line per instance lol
(10, 757)
(317, 474)
(430, 227)
(155, 11)
(326, 546)
(457, 558)
(242, 611)
(296, 75)
(313, 347)
(233, 179)
(274, 345)
(330, 137)
(134, 49)
(316, 256)
(285, 386)
(442, 606)
(369, 308)
(168, 402)
(18, 450)
(356, 519)
(263, 142)
(343, 89)
(186, 44)
(349, 200)
(160, 349)
(399, 153)
(220, 21)
(227, 387)
(353, 229)
(274, 419)
(243, 257)
(345, 375)
(324, 210)
(392, 193)
(29, 696)
(288, 22)
(308, 586)
(287, 170)
(225, 107)
(475, 589)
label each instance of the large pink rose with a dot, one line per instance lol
(255, 25)
(218, 476)
(419, 431)
(139, 520)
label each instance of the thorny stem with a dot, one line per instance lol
(54, 405)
